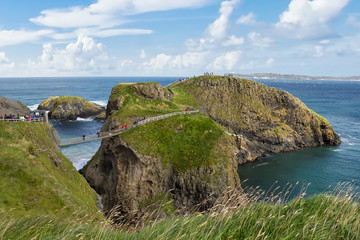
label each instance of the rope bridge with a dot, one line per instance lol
(112, 133)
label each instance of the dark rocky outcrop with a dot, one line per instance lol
(8, 107)
(70, 108)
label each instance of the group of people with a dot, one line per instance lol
(208, 73)
(20, 117)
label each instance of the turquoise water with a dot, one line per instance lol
(339, 102)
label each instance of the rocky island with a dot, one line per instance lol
(192, 159)
(70, 108)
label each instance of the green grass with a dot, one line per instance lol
(135, 106)
(184, 141)
(36, 178)
(326, 216)
(182, 95)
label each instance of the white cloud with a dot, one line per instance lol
(226, 61)
(249, 19)
(307, 19)
(142, 54)
(259, 41)
(84, 55)
(325, 41)
(217, 30)
(100, 33)
(13, 37)
(107, 13)
(5, 62)
(233, 41)
(164, 62)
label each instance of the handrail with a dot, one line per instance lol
(23, 120)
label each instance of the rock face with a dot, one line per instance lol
(122, 176)
(150, 91)
(70, 108)
(268, 119)
(8, 107)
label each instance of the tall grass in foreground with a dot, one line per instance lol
(235, 215)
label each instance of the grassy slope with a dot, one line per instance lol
(135, 106)
(319, 217)
(185, 141)
(30, 182)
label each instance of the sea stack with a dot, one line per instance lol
(70, 108)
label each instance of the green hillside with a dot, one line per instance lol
(36, 179)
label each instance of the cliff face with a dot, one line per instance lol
(8, 107)
(188, 158)
(69, 108)
(268, 119)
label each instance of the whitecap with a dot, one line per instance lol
(101, 103)
(33, 107)
(80, 162)
(84, 119)
(261, 164)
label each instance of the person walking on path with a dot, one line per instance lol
(84, 137)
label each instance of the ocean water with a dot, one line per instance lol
(322, 167)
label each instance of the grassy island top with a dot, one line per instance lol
(186, 141)
(131, 105)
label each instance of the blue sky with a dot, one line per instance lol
(178, 38)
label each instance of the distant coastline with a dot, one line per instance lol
(291, 77)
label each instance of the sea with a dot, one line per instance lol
(319, 169)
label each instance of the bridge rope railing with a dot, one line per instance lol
(102, 135)
(23, 120)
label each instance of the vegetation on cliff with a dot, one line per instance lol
(69, 107)
(184, 142)
(36, 179)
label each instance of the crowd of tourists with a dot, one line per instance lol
(36, 116)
